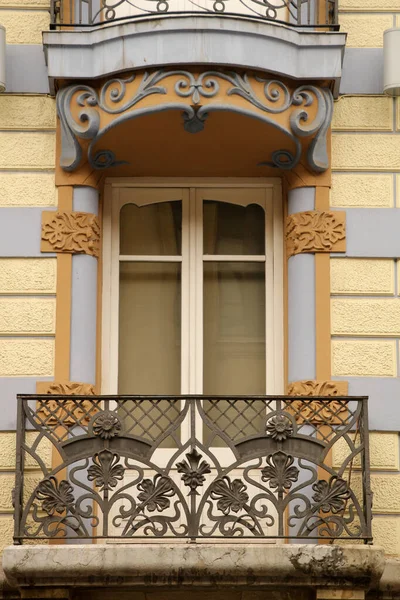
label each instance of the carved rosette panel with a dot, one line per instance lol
(85, 112)
(69, 412)
(316, 411)
(70, 232)
(316, 231)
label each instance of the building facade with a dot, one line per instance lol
(199, 301)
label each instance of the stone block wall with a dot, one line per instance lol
(365, 301)
(27, 280)
(366, 20)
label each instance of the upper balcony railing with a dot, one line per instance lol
(313, 14)
(192, 467)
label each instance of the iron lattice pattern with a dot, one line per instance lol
(309, 13)
(193, 467)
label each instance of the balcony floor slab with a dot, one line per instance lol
(195, 40)
(202, 566)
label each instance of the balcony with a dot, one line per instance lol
(116, 495)
(192, 468)
(296, 13)
(296, 39)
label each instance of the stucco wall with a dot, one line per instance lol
(27, 283)
(365, 305)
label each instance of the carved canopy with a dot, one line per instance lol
(298, 116)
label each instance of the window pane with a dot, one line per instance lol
(150, 344)
(155, 229)
(233, 229)
(234, 328)
(234, 345)
(150, 328)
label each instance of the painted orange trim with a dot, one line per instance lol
(63, 320)
(322, 300)
(99, 296)
(63, 294)
(285, 290)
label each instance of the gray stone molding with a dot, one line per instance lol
(383, 403)
(84, 300)
(192, 40)
(195, 566)
(362, 71)
(20, 231)
(116, 97)
(9, 388)
(301, 299)
(26, 70)
(372, 233)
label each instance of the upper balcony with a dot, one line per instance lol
(297, 39)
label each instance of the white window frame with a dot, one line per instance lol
(193, 190)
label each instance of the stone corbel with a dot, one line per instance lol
(70, 232)
(317, 411)
(315, 231)
(302, 113)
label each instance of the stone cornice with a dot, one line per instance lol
(315, 231)
(230, 41)
(70, 232)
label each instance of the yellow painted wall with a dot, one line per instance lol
(24, 20)
(365, 305)
(27, 285)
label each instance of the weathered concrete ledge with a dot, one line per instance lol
(389, 584)
(201, 39)
(217, 566)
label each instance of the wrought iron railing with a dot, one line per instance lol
(192, 467)
(92, 13)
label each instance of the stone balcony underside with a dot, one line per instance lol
(195, 40)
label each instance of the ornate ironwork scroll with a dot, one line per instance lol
(192, 467)
(84, 111)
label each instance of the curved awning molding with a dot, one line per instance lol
(293, 120)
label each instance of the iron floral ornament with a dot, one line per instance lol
(105, 471)
(154, 495)
(55, 497)
(332, 495)
(279, 428)
(193, 470)
(279, 472)
(192, 95)
(230, 495)
(106, 425)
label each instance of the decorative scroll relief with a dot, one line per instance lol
(71, 232)
(85, 112)
(67, 412)
(317, 411)
(316, 231)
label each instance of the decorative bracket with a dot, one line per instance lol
(316, 231)
(303, 113)
(70, 232)
(68, 411)
(317, 411)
